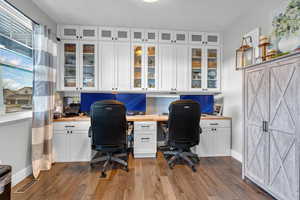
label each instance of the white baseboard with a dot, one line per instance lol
(21, 175)
(237, 156)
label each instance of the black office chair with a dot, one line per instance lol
(183, 132)
(108, 132)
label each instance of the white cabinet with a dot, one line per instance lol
(215, 139)
(73, 32)
(145, 139)
(204, 68)
(114, 34)
(71, 142)
(142, 35)
(173, 65)
(145, 66)
(79, 65)
(173, 37)
(115, 66)
(200, 38)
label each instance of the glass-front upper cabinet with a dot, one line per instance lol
(196, 68)
(70, 65)
(88, 66)
(69, 32)
(151, 66)
(141, 35)
(115, 34)
(138, 63)
(89, 33)
(213, 68)
(212, 38)
(196, 38)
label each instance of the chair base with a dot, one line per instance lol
(109, 158)
(190, 158)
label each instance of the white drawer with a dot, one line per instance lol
(74, 125)
(215, 123)
(144, 126)
(144, 142)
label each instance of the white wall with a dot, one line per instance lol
(15, 148)
(34, 12)
(232, 80)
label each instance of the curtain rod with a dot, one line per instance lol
(22, 12)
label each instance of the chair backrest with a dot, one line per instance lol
(108, 123)
(184, 123)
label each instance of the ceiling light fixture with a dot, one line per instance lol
(150, 1)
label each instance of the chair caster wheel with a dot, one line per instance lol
(126, 169)
(92, 165)
(103, 175)
(194, 169)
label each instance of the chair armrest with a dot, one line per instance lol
(200, 131)
(90, 132)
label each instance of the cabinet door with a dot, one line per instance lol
(196, 38)
(137, 35)
(182, 63)
(151, 66)
(167, 67)
(69, 66)
(284, 116)
(212, 55)
(69, 32)
(197, 68)
(60, 146)
(151, 36)
(166, 37)
(256, 111)
(106, 33)
(88, 66)
(212, 38)
(138, 63)
(88, 33)
(123, 66)
(107, 59)
(180, 37)
(80, 146)
(122, 34)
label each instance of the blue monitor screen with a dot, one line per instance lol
(87, 99)
(133, 102)
(206, 102)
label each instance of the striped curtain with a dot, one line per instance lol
(44, 74)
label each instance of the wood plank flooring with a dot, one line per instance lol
(147, 179)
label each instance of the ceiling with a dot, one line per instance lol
(206, 15)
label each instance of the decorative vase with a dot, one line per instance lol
(289, 43)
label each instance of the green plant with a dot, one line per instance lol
(288, 22)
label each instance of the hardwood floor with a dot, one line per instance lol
(215, 179)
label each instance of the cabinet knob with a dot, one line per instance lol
(116, 38)
(112, 38)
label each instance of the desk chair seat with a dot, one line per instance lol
(109, 133)
(183, 133)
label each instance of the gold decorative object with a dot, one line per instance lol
(245, 54)
(264, 43)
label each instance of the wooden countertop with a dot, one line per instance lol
(158, 118)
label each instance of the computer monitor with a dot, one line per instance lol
(133, 102)
(87, 99)
(206, 102)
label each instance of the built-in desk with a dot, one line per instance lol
(71, 143)
(134, 118)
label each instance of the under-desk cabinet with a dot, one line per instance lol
(145, 139)
(215, 139)
(71, 142)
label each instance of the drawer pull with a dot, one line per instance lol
(69, 126)
(145, 126)
(214, 124)
(145, 138)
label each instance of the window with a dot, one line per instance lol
(16, 63)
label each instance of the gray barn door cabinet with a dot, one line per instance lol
(272, 126)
